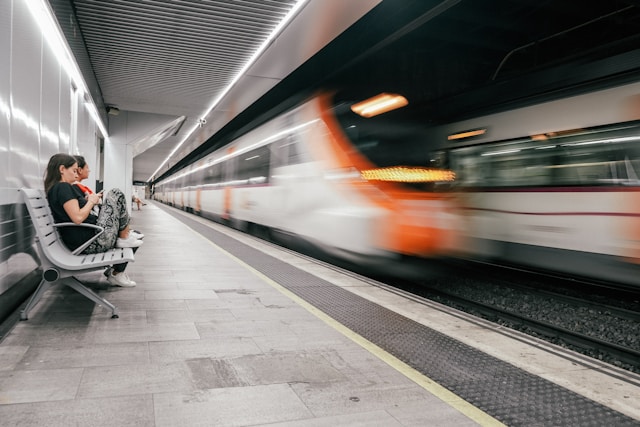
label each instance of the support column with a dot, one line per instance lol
(129, 134)
(118, 157)
(118, 167)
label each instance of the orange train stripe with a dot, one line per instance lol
(401, 231)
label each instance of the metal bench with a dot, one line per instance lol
(59, 264)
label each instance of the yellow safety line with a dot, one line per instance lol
(423, 381)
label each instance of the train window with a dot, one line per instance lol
(193, 178)
(296, 154)
(594, 157)
(279, 153)
(601, 164)
(390, 139)
(253, 167)
(212, 174)
(287, 151)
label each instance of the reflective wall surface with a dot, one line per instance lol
(40, 114)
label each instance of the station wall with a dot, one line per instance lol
(41, 113)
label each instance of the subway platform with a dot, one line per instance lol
(225, 330)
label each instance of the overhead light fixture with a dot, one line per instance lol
(114, 111)
(467, 134)
(379, 104)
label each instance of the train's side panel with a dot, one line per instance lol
(629, 229)
(586, 234)
(590, 222)
(575, 209)
(211, 202)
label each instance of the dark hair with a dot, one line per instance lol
(52, 174)
(81, 161)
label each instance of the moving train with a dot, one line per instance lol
(341, 176)
(553, 186)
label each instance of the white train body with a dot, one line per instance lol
(554, 186)
(298, 175)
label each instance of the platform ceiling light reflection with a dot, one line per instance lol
(499, 153)
(408, 174)
(603, 141)
(466, 134)
(51, 32)
(289, 16)
(379, 104)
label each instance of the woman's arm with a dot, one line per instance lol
(77, 215)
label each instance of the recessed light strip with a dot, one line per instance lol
(292, 13)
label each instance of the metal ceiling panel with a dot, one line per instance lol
(173, 56)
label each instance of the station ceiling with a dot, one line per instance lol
(166, 62)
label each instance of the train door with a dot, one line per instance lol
(285, 175)
(279, 154)
(229, 178)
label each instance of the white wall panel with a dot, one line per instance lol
(87, 143)
(49, 112)
(64, 125)
(5, 85)
(26, 61)
(119, 173)
(86, 129)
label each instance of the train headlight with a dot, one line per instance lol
(408, 174)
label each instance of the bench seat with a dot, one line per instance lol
(59, 264)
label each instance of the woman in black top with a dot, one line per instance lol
(69, 204)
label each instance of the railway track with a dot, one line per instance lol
(597, 324)
(588, 344)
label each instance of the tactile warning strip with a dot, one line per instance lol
(503, 391)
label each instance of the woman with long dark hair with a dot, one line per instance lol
(69, 204)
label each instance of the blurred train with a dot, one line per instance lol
(553, 186)
(331, 173)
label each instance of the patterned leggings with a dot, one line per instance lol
(114, 218)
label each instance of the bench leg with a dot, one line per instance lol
(43, 287)
(74, 283)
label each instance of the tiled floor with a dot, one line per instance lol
(202, 340)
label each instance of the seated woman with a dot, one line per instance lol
(83, 173)
(68, 204)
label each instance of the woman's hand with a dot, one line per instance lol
(78, 215)
(94, 198)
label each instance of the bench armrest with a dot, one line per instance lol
(88, 242)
